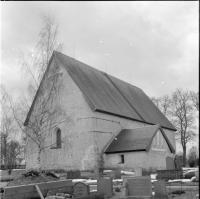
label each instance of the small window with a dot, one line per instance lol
(121, 159)
(58, 138)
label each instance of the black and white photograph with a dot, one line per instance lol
(99, 100)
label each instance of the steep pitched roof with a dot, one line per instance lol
(107, 94)
(138, 139)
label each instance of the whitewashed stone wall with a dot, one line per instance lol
(154, 158)
(77, 151)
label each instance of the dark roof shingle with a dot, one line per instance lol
(138, 139)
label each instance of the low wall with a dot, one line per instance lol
(4, 172)
(14, 172)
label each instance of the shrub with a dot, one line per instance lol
(191, 162)
(31, 172)
(197, 161)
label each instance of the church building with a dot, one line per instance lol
(111, 123)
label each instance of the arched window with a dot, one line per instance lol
(58, 138)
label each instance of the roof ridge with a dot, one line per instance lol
(80, 62)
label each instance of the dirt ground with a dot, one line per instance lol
(22, 180)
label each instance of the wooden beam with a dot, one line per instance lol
(39, 192)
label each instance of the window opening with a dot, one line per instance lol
(58, 138)
(122, 158)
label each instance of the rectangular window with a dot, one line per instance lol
(58, 138)
(121, 159)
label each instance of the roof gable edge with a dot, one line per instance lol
(37, 92)
(151, 140)
(89, 102)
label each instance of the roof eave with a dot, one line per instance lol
(126, 151)
(130, 118)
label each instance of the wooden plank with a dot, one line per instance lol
(25, 195)
(44, 193)
(43, 186)
(39, 192)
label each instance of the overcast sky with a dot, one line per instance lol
(152, 45)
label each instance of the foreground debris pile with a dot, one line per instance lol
(33, 176)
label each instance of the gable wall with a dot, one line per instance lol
(159, 143)
(77, 150)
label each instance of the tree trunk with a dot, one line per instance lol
(184, 156)
(38, 158)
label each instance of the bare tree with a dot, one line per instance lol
(195, 99)
(41, 106)
(182, 114)
(45, 114)
(35, 64)
(10, 148)
(156, 101)
(163, 103)
(193, 155)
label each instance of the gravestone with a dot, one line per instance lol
(172, 175)
(105, 186)
(138, 171)
(163, 174)
(70, 175)
(74, 174)
(170, 163)
(197, 175)
(160, 190)
(125, 178)
(77, 174)
(169, 174)
(117, 174)
(96, 172)
(177, 163)
(81, 190)
(139, 186)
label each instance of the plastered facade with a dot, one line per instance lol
(86, 135)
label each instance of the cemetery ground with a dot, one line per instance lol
(176, 189)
